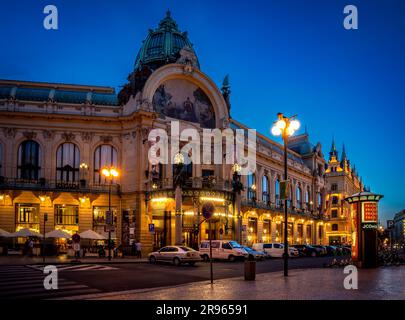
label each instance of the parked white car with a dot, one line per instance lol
(176, 255)
(274, 250)
(222, 249)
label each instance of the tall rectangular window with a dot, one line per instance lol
(66, 215)
(27, 216)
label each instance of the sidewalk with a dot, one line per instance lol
(21, 260)
(308, 284)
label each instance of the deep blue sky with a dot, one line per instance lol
(288, 56)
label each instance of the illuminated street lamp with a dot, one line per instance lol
(110, 173)
(285, 127)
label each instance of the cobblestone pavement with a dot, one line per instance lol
(317, 284)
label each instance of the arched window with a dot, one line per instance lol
(251, 186)
(308, 197)
(335, 227)
(277, 192)
(265, 189)
(67, 162)
(29, 155)
(319, 201)
(104, 156)
(298, 194)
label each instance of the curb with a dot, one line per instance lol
(31, 263)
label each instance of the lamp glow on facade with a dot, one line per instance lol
(110, 172)
(159, 199)
(212, 199)
(236, 168)
(84, 165)
(179, 159)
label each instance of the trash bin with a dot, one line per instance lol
(250, 270)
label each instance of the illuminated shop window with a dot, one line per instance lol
(100, 216)
(66, 215)
(27, 216)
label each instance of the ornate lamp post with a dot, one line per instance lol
(178, 183)
(110, 173)
(285, 127)
(237, 187)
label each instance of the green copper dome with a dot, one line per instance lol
(162, 45)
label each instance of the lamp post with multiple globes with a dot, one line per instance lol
(110, 173)
(285, 127)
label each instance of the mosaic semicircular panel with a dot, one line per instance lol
(181, 99)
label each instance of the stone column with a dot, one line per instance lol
(295, 232)
(273, 231)
(304, 233)
(259, 230)
(178, 221)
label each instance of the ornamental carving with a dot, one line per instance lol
(87, 136)
(106, 139)
(68, 136)
(29, 135)
(48, 134)
(10, 132)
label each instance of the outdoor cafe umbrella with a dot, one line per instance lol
(25, 233)
(60, 234)
(92, 235)
(4, 234)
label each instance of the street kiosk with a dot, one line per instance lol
(364, 215)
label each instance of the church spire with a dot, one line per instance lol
(333, 152)
(344, 157)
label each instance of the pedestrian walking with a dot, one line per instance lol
(138, 249)
(30, 247)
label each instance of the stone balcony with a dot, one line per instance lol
(45, 185)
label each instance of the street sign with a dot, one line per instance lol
(390, 224)
(151, 227)
(285, 190)
(76, 238)
(109, 228)
(76, 246)
(108, 217)
(208, 210)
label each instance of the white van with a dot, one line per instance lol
(222, 249)
(274, 250)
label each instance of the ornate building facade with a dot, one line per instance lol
(342, 182)
(56, 138)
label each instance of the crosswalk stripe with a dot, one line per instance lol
(23, 277)
(42, 289)
(61, 282)
(19, 282)
(81, 267)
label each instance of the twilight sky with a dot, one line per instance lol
(289, 56)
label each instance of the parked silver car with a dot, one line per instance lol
(176, 255)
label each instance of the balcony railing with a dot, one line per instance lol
(280, 208)
(209, 183)
(55, 185)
